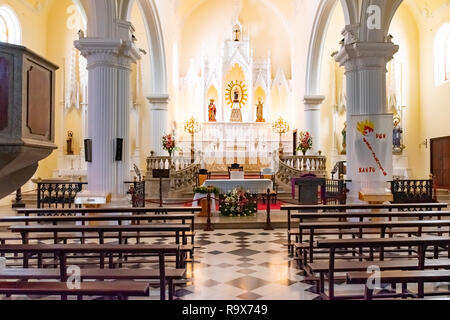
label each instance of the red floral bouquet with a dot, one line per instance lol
(169, 143)
(238, 203)
(306, 142)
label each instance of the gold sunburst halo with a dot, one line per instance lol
(230, 90)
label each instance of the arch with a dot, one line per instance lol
(442, 55)
(81, 10)
(316, 45)
(12, 31)
(155, 40)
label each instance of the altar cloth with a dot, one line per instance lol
(253, 186)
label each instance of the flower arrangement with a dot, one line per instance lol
(306, 142)
(238, 203)
(204, 190)
(169, 143)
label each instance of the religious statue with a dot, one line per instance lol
(397, 136)
(212, 111)
(236, 96)
(69, 143)
(344, 139)
(260, 111)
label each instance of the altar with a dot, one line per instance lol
(252, 145)
(252, 186)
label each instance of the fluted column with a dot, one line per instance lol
(159, 121)
(365, 69)
(108, 64)
(312, 119)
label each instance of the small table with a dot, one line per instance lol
(375, 199)
(198, 197)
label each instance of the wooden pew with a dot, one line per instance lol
(420, 242)
(403, 277)
(339, 216)
(344, 208)
(62, 252)
(120, 289)
(101, 230)
(359, 227)
(55, 220)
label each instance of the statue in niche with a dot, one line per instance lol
(236, 96)
(344, 139)
(260, 111)
(212, 111)
(69, 143)
(397, 136)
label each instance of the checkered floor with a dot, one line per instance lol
(249, 265)
(245, 265)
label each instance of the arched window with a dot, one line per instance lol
(9, 26)
(442, 54)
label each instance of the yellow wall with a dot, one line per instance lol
(434, 114)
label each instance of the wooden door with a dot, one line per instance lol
(440, 161)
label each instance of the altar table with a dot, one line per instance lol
(252, 186)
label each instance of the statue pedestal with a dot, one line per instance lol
(371, 198)
(236, 115)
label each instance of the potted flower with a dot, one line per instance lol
(306, 142)
(169, 144)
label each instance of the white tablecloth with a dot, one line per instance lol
(254, 186)
(199, 196)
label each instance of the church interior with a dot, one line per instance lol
(224, 150)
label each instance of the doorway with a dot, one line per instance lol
(440, 161)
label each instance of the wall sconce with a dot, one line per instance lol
(424, 143)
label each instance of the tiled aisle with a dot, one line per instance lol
(248, 264)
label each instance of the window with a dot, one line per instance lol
(442, 54)
(9, 26)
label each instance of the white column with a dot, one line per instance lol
(312, 119)
(365, 64)
(108, 64)
(159, 122)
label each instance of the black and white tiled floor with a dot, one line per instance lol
(248, 264)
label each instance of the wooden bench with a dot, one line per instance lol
(120, 289)
(62, 252)
(404, 277)
(344, 208)
(359, 227)
(420, 242)
(322, 267)
(97, 274)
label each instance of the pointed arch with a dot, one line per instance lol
(155, 40)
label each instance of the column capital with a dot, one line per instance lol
(313, 99)
(159, 101)
(108, 52)
(366, 55)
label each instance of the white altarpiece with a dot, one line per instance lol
(224, 142)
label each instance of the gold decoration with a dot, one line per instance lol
(229, 92)
(192, 127)
(281, 127)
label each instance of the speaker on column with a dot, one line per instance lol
(119, 149)
(88, 150)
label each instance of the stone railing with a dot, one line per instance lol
(179, 163)
(183, 173)
(187, 177)
(295, 166)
